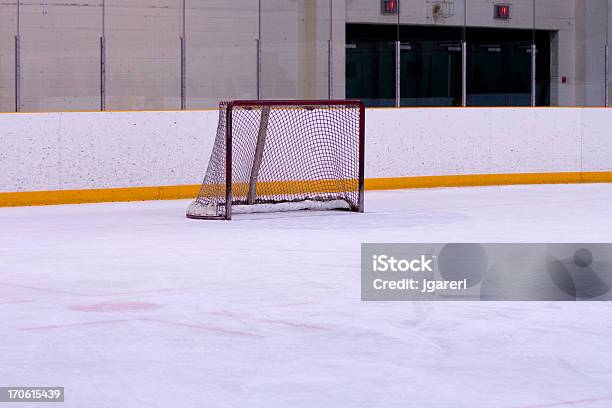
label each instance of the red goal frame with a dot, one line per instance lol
(246, 103)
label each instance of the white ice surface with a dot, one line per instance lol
(133, 305)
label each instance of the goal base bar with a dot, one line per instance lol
(206, 212)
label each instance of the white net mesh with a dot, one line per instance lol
(284, 153)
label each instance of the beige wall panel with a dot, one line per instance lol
(143, 54)
(221, 52)
(8, 26)
(295, 37)
(284, 47)
(60, 55)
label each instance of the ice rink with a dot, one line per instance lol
(133, 305)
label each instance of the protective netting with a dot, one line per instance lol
(289, 152)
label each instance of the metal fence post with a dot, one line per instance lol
(330, 70)
(398, 52)
(102, 73)
(258, 67)
(533, 74)
(533, 58)
(18, 61)
(463, 73)
(184, 60)
(464, 57)
(607, 58)
(607, 77)
(330, 54)
(183, 75)
(17, 74)
(397, 74)
(103, 60)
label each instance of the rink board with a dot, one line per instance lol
(78, 157)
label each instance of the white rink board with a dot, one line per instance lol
(75, 150)
(597, 139)
(82, 150)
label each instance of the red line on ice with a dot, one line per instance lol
(202, 327)
(9, 301)
(189, 325)
(65, 292)
(62, 326)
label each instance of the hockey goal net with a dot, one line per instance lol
(284, 155)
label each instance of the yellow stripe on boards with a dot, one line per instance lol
(597, 177)
(28, 198)
(51, 197)
(472, 180)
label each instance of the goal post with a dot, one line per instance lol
(259, 148)
(284, 155)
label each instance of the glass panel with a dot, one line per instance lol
(543, 68)
(499, 67)
(8, 28)
(430, 66)
(430, 73)
(370, 72)
(143, 54)
(221, 52)
(60, 56)
(370, 63)
(499, 74)
(295, 49)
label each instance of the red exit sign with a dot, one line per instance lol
(501, 11)
(389, 6)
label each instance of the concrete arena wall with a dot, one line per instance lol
(422, 147)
